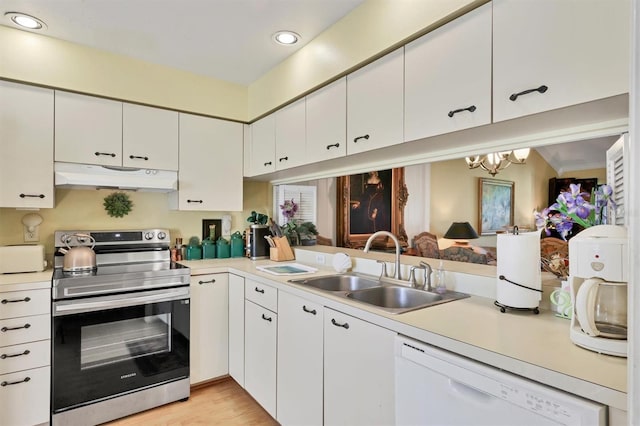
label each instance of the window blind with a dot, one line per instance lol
(303, 195)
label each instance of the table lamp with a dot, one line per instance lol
(461, 232)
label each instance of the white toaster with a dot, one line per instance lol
(22, 258)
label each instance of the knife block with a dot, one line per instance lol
(282, 251)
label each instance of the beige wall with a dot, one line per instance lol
(83, 209)
(454, 193)
(33, 58)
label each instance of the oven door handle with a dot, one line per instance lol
(68, 307)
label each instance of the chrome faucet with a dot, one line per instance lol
(397, 243)
(427, 274)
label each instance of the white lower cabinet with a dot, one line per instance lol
(25, 357)
(261, 327)
(358, 371)
(236, 328)
(209, 336)
(299, 372)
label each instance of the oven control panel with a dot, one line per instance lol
(106, 238)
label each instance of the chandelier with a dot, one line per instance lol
(496, 161)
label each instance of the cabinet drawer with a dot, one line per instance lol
(14, 304)
(261, 294)
(25, 356)
(22, 330)
(22, 401)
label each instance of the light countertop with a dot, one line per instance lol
(533, 346)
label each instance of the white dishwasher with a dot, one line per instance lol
(435, 387)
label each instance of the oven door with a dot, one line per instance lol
(111, 345)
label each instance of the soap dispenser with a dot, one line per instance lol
(439, 278)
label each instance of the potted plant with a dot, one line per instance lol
(307, 232)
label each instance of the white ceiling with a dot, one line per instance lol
(581, 155)
(224, 39)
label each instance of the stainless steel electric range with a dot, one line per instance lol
(120, 331)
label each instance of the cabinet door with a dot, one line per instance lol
(260, 355)
(149, 137)
(375, 103)
(263, 146)
(236, 328)
(578, 50)
(358, 371)
(327, 122)
(88, 130)
(209, 341)
(300, 355)
(290, 135)
(448, 77)
(26, 146)
(26, 401)
(210, 172)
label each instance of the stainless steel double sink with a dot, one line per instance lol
(382, 293)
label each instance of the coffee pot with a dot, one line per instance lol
(598, 275)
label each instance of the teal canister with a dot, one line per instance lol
(208, 249)
(237, 244)
(223, 248)
(193, 252)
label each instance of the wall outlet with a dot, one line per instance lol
(31, 236)
(320, 259)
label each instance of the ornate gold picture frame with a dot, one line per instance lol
(370, 202)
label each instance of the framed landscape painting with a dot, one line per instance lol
(495, 207)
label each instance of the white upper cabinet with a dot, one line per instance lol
(88, 129)
(327, 122)
(375, 104)
(290, 135)
(210, 168)
(26, 146)
(263, 146)
(448, 77)
(149, 137)
(549, 54)
(92, 130)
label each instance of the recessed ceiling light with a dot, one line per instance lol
(286, 37)
(26, 21)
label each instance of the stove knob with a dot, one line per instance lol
(148, 235)
(65, 238)
(81, 240)
(162, 235)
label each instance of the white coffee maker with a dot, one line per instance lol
(598, 275)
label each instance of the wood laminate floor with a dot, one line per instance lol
(221, 403)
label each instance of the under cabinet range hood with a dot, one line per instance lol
(87, 176)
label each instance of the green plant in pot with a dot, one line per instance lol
(307, 232)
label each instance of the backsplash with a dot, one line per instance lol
(83, 209)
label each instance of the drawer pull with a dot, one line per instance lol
(31, 195)
(109, 154)
(134, 157)
(25, 380)
(309, 311)
(472, 108)
(5, 301)
(268, 163)
(355, 140)
(211, 281)
(337, 324)
(259, 290)
(281, 159)
(266, 318)
(540, 89)
(335, 145)
(5, 356)
(194, 201)
(5, 329)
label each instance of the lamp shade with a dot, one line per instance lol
(461, 231)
